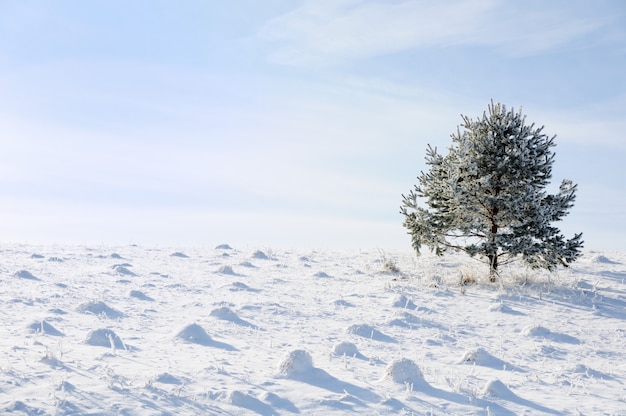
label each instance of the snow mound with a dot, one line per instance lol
(99, 308)
(123, 270)
(25, 274)
(36, 256)
(247, 264)
(240, 286)
(247, 401)
(362, 330)
(322, 275)
(342, 302)
(294, 363)
(541, 332)
(228, 270)
(405, 371)
(347, 349)
(587, 372)
(57, 311)
(600, 259)
(167, 378)
(42, 327)
(140, 295)
(279, 402)
(481, 357)
(23, 408)
(401, 301)
(194, 334)
(396, 405)
(496, 388)
(223, 247)
(260, 255)
(535, 331)
(366, 331)
(225, 313)
(53, 362)
(104, 338)
(501, 307)
(179, 255)
(404, 319)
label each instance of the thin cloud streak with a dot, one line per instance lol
(333, 32)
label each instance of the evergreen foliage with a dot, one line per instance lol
(488, 196)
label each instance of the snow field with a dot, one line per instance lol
(151, 331)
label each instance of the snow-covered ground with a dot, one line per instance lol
(134, 330)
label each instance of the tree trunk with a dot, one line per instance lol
(492, 255)
(493, 267)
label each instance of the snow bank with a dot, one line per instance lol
(360, 342)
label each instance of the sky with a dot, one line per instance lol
(289, 123)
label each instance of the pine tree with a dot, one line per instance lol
(488, 196)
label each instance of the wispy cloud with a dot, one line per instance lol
(325, 32)
(598, 123)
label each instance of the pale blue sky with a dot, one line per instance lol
(288, 123)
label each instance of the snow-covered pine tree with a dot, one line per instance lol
(488, 196)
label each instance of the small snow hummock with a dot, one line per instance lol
(99, 308)
(104, 338)
(403, 302)
(503, 308)
(43, 327)
(194, 334)
(477, 356)
(140, 295)
(260, 255)
(367, 331)
(496, 388)
(535, 331)
(362, 330)
(167, 378)
(345, 348)
(226, 270)
(25, 274)
(600, 259)
(123, 269)
(294, 363)
(224, 312)
(247, 401)
(405, 371)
